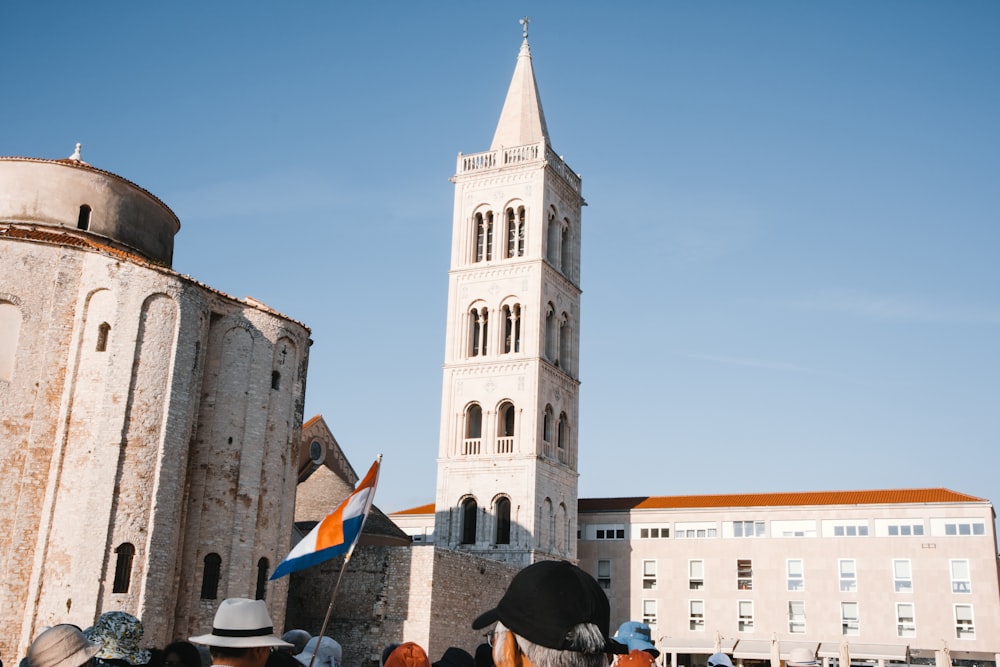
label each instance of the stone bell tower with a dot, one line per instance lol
(507, 462)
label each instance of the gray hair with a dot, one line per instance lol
(585, 648)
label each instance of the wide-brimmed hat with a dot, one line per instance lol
(327, 650)
(241, 623)
(408, 654)
(801, 657)
(61, 646)
(118, 633)
(719, 660)
(548, 599)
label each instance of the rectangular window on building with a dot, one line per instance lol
(654, 533)
(696, 574)
(604, 574)
(850, 530)
(696, 614)
(965, 528)
(848, 575)
(849, 618)
(905, 529)
(796, 580)
(748, 529)
(961, 582)
(744, 575)
(649, 574)
(649, 612)
(901, 576)
(905, 622)
(745, 611)
(965, 628)
(797, 617)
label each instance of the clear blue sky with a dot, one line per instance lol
(790, 254)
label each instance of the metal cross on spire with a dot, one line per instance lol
(524, 25)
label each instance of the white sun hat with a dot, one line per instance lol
(241, 623)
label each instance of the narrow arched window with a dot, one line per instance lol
(511, 250)
(83, 221)
(547, 424)
(211, 573)
(123, 567)
(489, 235)
(502, 512)
(275, 380)
(562, 437)
(511, 329)
(102, 336)
(506, 422)
(474, 422)
(564, 343)
(520, 231)
(480, 237)
(474, 332)
(566, 250)
(262, 567)
(552, 240)
(469, 512)
(550, 335)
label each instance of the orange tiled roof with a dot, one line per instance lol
(780, 499)
(871, 497)
(422, 509)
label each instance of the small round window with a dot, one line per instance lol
(316, 451)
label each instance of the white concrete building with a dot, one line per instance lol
(150, 424)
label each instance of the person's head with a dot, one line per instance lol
(298, 639)
(242, 634)
(387, 651)
(555, 615)
(636, 636)
(327, 650)
(408, 655)
(62, 646)
(455, 657)
(719, 660)
(181, 654)
(119, 635)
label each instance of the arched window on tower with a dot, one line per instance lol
(489, 235)
(502, 513)
(473, 430)
(565, 340)
(550, 335)
(566, 250)
(515, 232)
(123, 567)
(552, 238)
(103, 330)
(505, 428)
(83, 221)
(547, 420)
(511, 328)
(469, 515)
(480, 230)
(562, 438)
(262, 567)
(478, 327)
(211, 573)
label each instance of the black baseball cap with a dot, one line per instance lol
(546, 600)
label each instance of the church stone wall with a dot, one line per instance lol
(423, 594)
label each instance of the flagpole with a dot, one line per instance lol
(347, 559)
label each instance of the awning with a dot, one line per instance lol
(977, 656)
(896, 652)
(693, 645)
(760, 649)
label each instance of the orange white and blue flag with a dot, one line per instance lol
(337, 533)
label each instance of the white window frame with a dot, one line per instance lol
(961, 582)
(604, 573)
(796, 580)
(902, 583)
(749, 528)
(696, 574)
(850, 624)
(744, 574)
(906, 625)
(649, 574)
(649, 612)
(797, 621)
(744, 615)
(965, 628)
(696, 615)
(848, 576)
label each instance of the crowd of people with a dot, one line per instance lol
(553, 614)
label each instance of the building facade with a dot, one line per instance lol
(507, 460)
(150, 423)
(901, 574)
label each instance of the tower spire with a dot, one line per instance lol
(521, 120)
